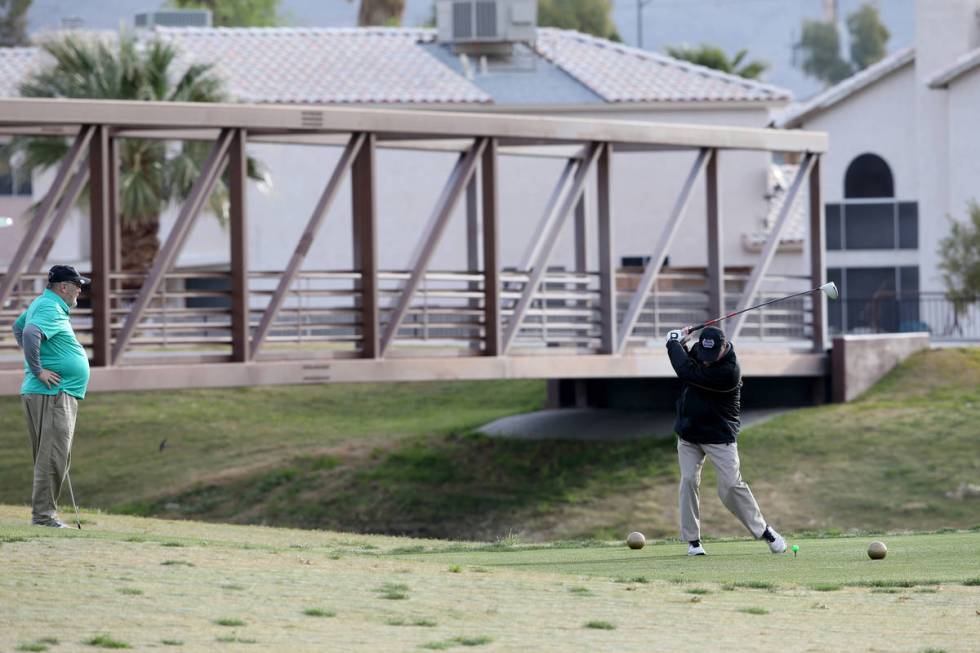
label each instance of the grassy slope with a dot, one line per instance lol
(211, 433)
(400, 459)
(147, 583)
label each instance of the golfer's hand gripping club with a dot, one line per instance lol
(679, 335)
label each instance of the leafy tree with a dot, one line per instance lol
(385, 13)
(868, 37)
(13, 22)
(821, 45)
(714, 57)
(588, 16)
(236, 13)
(959, 255)
(153, 173)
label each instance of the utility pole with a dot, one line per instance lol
(640, 4)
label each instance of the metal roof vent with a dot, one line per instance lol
(486, 26)
(176, 18)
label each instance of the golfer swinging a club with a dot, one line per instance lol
(708, 419)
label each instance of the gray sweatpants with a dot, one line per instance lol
(51, 426)
(732, 490)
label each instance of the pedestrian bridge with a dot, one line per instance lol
(173, 327)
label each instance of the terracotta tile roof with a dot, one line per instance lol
(780, 178)
(295, 65)
(623, 74)
(397, 66)
(15, 65)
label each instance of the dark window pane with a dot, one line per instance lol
(871, 302)
(866, 283)
(6, 178)
(908, 225)
(832, 212)
(210, 284)
(908, 279)
(868, 176)
(835, 315)
(908, 284)
(869, 226)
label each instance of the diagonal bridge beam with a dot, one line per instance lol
(540, 264)
(458, 180)
(760, 269)
(306, 240)
(31, 238)
(209, 174)
(653, 267)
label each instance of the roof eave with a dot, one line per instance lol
(835, 94)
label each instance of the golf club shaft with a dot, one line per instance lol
(78, 522)
(750, 308)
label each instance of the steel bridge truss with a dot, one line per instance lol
(310, 323)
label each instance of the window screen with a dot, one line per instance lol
(834, 240)
(908, 225)
(869, 226)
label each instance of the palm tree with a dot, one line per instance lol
(152, 172)
(714, 57)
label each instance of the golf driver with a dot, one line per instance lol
(829, 289)
(78, 522)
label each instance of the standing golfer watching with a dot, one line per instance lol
(708, 420)
(55, 378)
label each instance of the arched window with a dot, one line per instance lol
(868, 176)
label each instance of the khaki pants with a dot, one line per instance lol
(732, 490)
(51, 426)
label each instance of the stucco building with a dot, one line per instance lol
(904, 157)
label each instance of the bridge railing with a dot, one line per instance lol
(191, 312)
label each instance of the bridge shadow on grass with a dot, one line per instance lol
(460, 486)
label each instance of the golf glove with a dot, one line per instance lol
(676, 334)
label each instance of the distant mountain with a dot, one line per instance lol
(768, 28)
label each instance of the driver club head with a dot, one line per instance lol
(830, 289)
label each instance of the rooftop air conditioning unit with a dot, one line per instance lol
(177, 18)
(470, 25)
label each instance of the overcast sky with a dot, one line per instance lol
(768, 28)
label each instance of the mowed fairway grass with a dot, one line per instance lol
(191, 586)
(405, 458)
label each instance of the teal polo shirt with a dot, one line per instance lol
(60, 350)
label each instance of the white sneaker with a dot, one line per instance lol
(778, 544)
(695, 550)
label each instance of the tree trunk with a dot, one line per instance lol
(139, 243)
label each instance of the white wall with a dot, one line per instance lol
(944, 31)
(964, 149)
(879, 119)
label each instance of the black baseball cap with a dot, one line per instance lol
(710, 342)
(59, 273)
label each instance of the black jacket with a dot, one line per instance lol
(709, 407)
